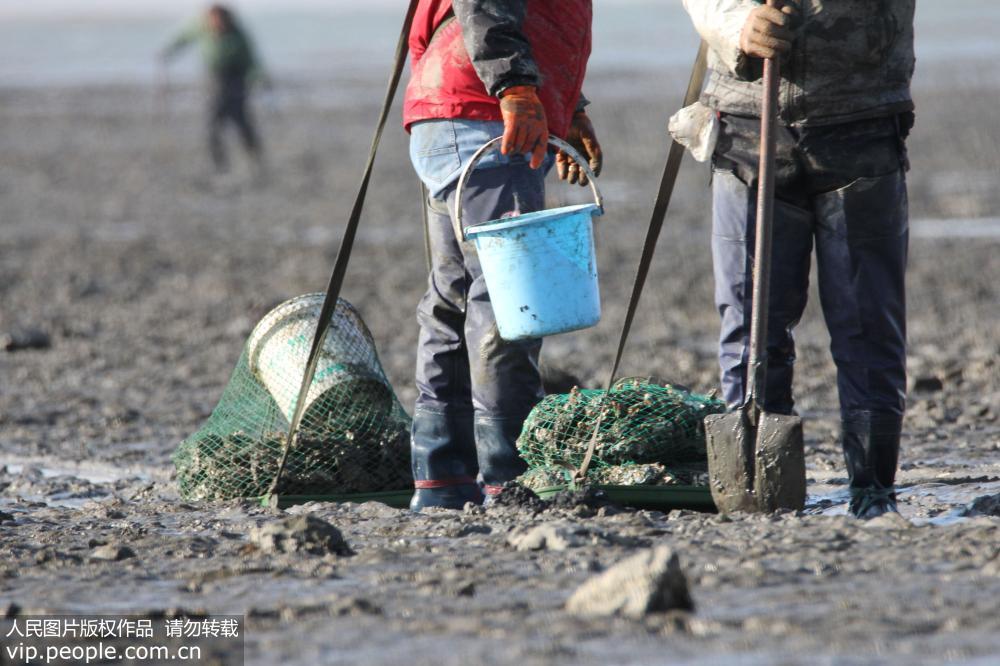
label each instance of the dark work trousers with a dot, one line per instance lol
(843, 188)
(462, 363)
(229, 105)
(474, 388)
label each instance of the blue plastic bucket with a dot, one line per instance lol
(541, 271)
(540, 268)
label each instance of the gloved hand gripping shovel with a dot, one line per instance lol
(756, 460)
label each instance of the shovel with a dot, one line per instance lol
(756, 460)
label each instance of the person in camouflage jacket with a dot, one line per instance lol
(844, 113)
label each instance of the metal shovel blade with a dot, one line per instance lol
(779, 480)
(730, 442)
(758, 468)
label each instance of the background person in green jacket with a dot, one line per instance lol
(232, 66)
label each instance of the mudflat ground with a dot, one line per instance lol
(147, 275)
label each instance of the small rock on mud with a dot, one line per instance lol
(28, 338)
(112, 553)
(928, 384)
(987, 505)
(588, 497)
(548, 536)
(890, 520)
(649, 582)
(518, 496)
(305, 533)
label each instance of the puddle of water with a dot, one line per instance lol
(982, 228)
(950, 518)
(53, 472)
(93, 472)
(63, 500)
(954, 497)
(946, 500)
(67, 499)
(831, 503)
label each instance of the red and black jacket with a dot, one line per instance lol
(460, 66)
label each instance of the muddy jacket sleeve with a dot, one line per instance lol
(719, 22)
(497, 46)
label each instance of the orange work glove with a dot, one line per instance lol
(582, 137)
(767, 32)
(525, 129)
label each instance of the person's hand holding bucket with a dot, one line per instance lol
(582, 137)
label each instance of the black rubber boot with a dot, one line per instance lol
(499, 462)
(443, 455)
(871, 452)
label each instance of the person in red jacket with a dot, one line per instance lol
(482, 69)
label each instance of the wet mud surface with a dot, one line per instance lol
(129, 282)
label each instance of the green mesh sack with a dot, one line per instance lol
(649, 434)
(354, 436)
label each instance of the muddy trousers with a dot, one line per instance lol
(860, 233)
(229, 105)
(474, 389)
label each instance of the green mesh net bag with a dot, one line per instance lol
(649, 434)
(354, 435)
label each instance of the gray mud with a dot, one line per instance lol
(146, 276)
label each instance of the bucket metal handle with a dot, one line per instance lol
(492, 143)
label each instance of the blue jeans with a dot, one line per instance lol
(440, 149)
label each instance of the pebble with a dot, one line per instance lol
(987, 505)
(302, 533)
(28, 338)
(556, 536)
(890, 520)
(927, 384)
(112, 553)
(650, 581)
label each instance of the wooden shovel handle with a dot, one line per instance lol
(762, 250)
